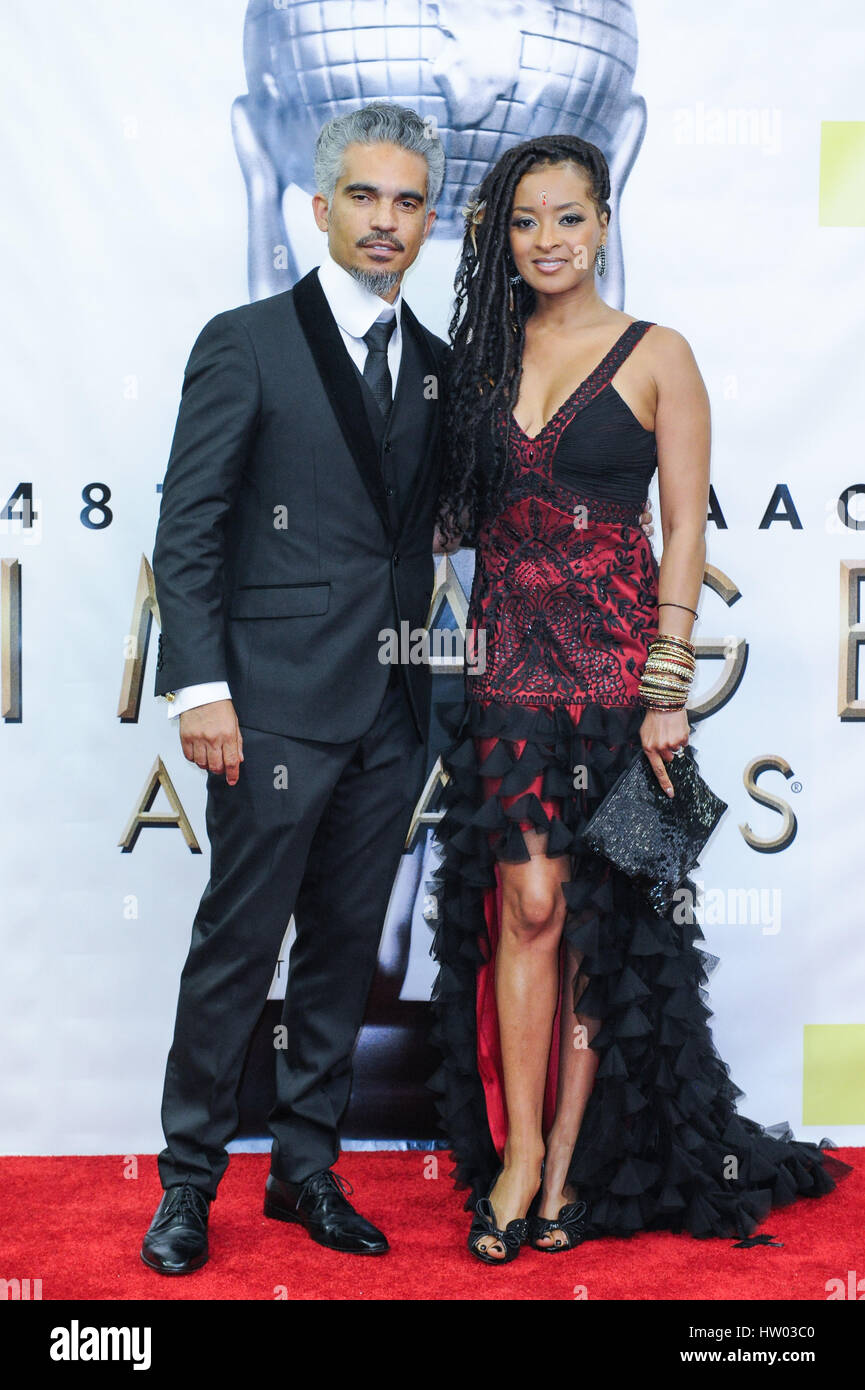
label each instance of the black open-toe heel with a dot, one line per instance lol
(513, 1237)
(571, 1221)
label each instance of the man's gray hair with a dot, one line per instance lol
(380, 122)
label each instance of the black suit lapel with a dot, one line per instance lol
(340, 381)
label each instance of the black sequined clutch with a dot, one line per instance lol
(653, 838)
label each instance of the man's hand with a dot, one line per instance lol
(646, 519)
(210, 736)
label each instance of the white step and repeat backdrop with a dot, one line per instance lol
(737, 141)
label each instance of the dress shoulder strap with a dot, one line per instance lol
(622, 348)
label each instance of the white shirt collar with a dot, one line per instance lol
(355, 308)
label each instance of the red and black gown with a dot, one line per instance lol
(565, 591)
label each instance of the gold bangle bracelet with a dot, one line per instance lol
(665, 682)
(679, 672)
(669, 668)
(677, 658)
(668, 657)
(667, 691)
(668, 708)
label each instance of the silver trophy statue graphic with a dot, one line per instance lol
(486, 75)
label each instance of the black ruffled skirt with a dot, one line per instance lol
(661, 1145)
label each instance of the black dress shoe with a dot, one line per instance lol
(177, 1240)
(320, 1205)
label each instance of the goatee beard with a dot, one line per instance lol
(379, 282)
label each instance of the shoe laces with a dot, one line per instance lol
(189, 1199)
(327, 1178)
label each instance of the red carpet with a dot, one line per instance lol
(77, 1224)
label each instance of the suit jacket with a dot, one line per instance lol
(281, 553)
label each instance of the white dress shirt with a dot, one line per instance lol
(355, 309)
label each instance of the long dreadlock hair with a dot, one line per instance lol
(487, 329)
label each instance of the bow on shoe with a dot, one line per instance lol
(570, 1221)
(513, 1237)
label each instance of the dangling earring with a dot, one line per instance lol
(514, 276)
(512, 281)
(601, 259)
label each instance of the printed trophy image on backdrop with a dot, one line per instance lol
(565, 68)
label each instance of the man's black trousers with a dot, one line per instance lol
(310, 828)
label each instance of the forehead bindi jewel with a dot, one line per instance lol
(543, 200)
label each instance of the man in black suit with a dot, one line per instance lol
(296, 529)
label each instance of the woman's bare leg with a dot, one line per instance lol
(527, 991)
(578, 1064)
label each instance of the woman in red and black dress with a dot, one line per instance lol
(580, 1087)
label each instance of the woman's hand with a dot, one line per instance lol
(661, 732)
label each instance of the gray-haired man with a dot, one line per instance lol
(296, 524)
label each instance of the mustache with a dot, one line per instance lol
(387, 240)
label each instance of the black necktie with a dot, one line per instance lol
(376, 372)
